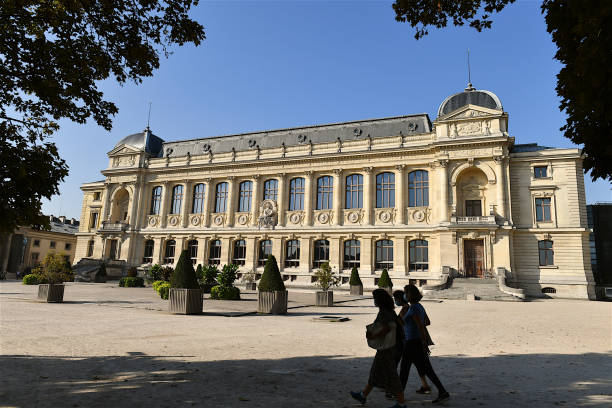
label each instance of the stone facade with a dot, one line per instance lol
(402, 193)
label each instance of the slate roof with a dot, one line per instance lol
(528, 147)
(63, 227)
(144, 140)
(470, 96)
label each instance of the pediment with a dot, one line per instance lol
(469, 112)
(123, 150)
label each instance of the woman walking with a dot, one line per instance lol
(383, 373)
(416, 350)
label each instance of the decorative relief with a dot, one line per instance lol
(385, 215)
(469, 128)
(354, 216)
(174, 220)
(464, 154)
(153, 221)
(243, 219)
(295, 217)
(269, 212)
(195, 220)
(323, 217)
(301, 139)
(218, 219)
(418, 215)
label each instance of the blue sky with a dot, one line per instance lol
(267, 65)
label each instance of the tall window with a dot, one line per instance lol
(547, 255)
(192, 248)
(94, 220)
(384, 254)
(199, 194)
(239, 252)
(90, 248)
(148, 251)
(265, 250)
(221, 197)
(214, 254)
(169, 254)
(352, 254)
(385, 190)
(292, 254)
(354, 191)
(321, 253)
(418, 188)
(540, 171)
(271, 190)
(296, 194)
(542, 209)
(418, 255)
(156, 196)
(325, 193)
(245, 191)
(177, 199)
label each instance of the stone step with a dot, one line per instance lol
(469, 288)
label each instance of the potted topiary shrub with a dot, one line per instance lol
(226, 290)
(272, 296)
(185, 294)
(355, 282)
(325, 280)
(249, 280)
(51, 275)
(384, 282)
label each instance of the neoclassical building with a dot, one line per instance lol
(402, 193)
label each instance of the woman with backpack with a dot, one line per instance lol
(416, 349)
(382, 333)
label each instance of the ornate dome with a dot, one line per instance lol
(470, 96)
(144, 140)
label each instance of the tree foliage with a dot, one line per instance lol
(582, 31)
(355, 279)
(53, 55)
(385, 280)
(271, 280)
(326, 277)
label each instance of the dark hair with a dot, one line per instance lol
(382, 299)
(398, 295)
(412, 293)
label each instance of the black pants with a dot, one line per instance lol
(413, 353)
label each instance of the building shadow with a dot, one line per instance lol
(140, 380)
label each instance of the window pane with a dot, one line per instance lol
(418, 188)
(198, 199)
(324, 193)
(245, 192)
(156, 200)
(354, 191)
(385, 190)
(296, 194)
(221, 197)
(271, 189)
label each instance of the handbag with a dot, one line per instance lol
(381, 343)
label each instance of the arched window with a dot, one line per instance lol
(385, 190)
(148, 251)
(271, 190)
(90, 248)
(245, 191)
(265, 250)
(169, 254)
(192, 247)
(325, 193)
(352, 254)
(199, 194)
(384, 254)
(292, 254)
(221, 197)
(296, 194)
(156, 196)
(354, 191)
(214, 254)
(177, 199)
(239, 252)
(418, 255)
(545, 250)
(321, 253)
(418, 188)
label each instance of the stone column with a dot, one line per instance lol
(226, 251)
(308, 198)
(203, 251)
(187, 202)
(140, 203)
(501, 186)
(368, 192)
(105, 211)
(251, 253)
(337, 197)
(367, 257)
(305, 254)
(399, 256)
(134, 204)
(255, 200)
(231, 201)
(163, 213)
(178, 249)
(443, 186)
(400, 194)
(157, 250)
(277, 251)
(281, 199)
(209, 201)
(335, 254)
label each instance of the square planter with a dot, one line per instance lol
(51, 293)
(389, 289)
(325, 298)
(251, 286)
(357, 290)
(272, 302)
(185, 301)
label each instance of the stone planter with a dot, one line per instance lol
(251, 286)
(325, 298)
(51, 293)
(389, 289)
(185, 301)
(357, 290)
(272, 302)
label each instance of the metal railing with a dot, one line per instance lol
(474, 219)
(114, 226)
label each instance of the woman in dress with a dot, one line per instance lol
(383, 373)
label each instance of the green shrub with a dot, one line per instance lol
(225, 293)
(355, 279)
(385, 280)
(30, 279)
(164, 290)
(326, 278)
(227, 277)
(131, 282)
(200, 273)
(184, 275)
(155, 273)
(271, 279)
(132, 272)
(166, 273)
(157, 283)
(209, 278)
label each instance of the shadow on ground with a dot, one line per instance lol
(139, 380)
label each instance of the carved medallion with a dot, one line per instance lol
(173, 221)
(152, 221)
(418, 215)
(218, 220)
(385, 216)
(295, 218)
(242, 219)
(324, 218)
(195, 220)
(353, 216)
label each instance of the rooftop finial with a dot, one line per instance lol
(469, 86)
(149, 116)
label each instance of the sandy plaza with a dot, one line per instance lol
(118, 347)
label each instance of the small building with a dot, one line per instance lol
(26, 247)
(600, 221)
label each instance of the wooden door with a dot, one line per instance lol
(113, 249)
(473, 258)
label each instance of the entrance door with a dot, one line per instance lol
(473, 208)
(473, 258)
(112, 253)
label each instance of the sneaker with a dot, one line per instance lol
(441, 398)
(358, 396)
(389, 396)
(423, 390)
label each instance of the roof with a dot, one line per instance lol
(528, 147)
(144, 140)
(328, 133)
(66, 227)
(470, 96)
